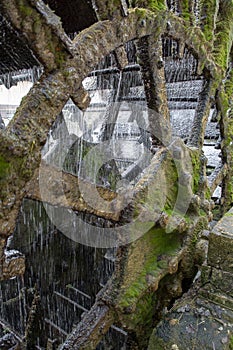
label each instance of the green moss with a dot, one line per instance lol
(229, 85)
(228, 214)
(186, 10)
(53, 46)
(226, 104)
(34, 19)
(188, 219)
(171, 175)
(168, 211)
(26, 11)
(4, 168)
(224, 34)
(208, 14)
(141, 320)
(37, 25)
(231, 342)
(196, 164)
(144, 263)
(24, 8)
(229, 188)
(153, 5)
(217, 213)
(60, 57)
(157, 343)
(208, 194)
(201, 225)
(202, 212)
(148, 262)
(108, 10)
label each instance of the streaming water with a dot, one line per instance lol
(13, 87)
(67, 276)
(110, 136)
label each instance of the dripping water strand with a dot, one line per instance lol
(196, 11)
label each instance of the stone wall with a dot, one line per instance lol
(203, 318)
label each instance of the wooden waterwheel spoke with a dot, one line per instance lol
(42, 30)
(201, 115)
(150, 54)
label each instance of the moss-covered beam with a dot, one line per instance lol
(38, 110)
(13, 177)
(54, 22)
(201, 116)
(106, 9)
(186, 8)
(121, 57)
(152, 5)
(223, 34)
(225, 105)
(208, 14)
(91, 329)
(41, 29)
(150, 55)
(216, 178)
(67, 193)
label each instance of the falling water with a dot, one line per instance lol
(173, 5)
(56, 267)
(212, 150)
(13, 87)
(196, 11)
(116, 118)
(10, 79)
(183, 86)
